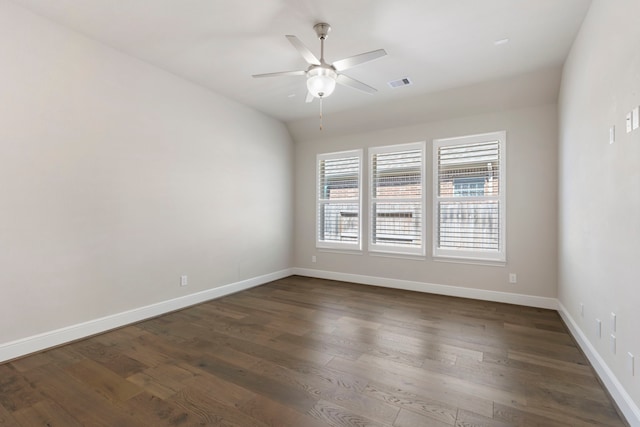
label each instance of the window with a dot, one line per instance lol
(469, 189)
(338, 201)
(397, 202)
(468, 186)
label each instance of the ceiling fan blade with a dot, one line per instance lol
(304, 51)
(352, 61)
(281, 73)
(355, 84)
(309, 98)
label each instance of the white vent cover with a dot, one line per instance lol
(400, 82)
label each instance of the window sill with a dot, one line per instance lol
(341, 251)
(398, 255)
(483, 262)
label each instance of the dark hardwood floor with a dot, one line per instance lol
(308, 352)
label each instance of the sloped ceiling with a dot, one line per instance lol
(439, 44)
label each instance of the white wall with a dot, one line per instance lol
(599, 219)
(531, 205)
(117, 177)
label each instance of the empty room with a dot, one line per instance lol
(319, 213)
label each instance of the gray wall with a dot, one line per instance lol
(116, 178)
(531, 204)
(599, 182)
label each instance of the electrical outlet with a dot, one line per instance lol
(635, 118)
(613, 322)
(629, 122)
(513, 278)
(612, 134)
(313, 258)
(184, 280)
(612, 341)
(598, 328)
(631, 364)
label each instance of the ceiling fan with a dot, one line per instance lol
(322, 77)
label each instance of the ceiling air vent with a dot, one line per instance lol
(399, 83)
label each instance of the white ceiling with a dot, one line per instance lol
(438, 44)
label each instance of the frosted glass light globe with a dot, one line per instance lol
(321, 82)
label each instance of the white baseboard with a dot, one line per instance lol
(454, 291)
(28, 345)
(617, 391)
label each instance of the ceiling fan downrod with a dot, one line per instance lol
(322, 30)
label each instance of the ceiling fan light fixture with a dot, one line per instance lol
(321, 81)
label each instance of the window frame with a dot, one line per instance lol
(499, 255)
(338, 245)
(397, 249)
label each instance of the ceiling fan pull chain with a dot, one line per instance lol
(321, 113)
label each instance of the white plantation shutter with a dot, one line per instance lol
(397, 199)
(338, 200)
(469, 208)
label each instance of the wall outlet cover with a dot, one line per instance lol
(612, 134)
(613, 322)
(612, 340)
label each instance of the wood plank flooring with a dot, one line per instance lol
(305, 352)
